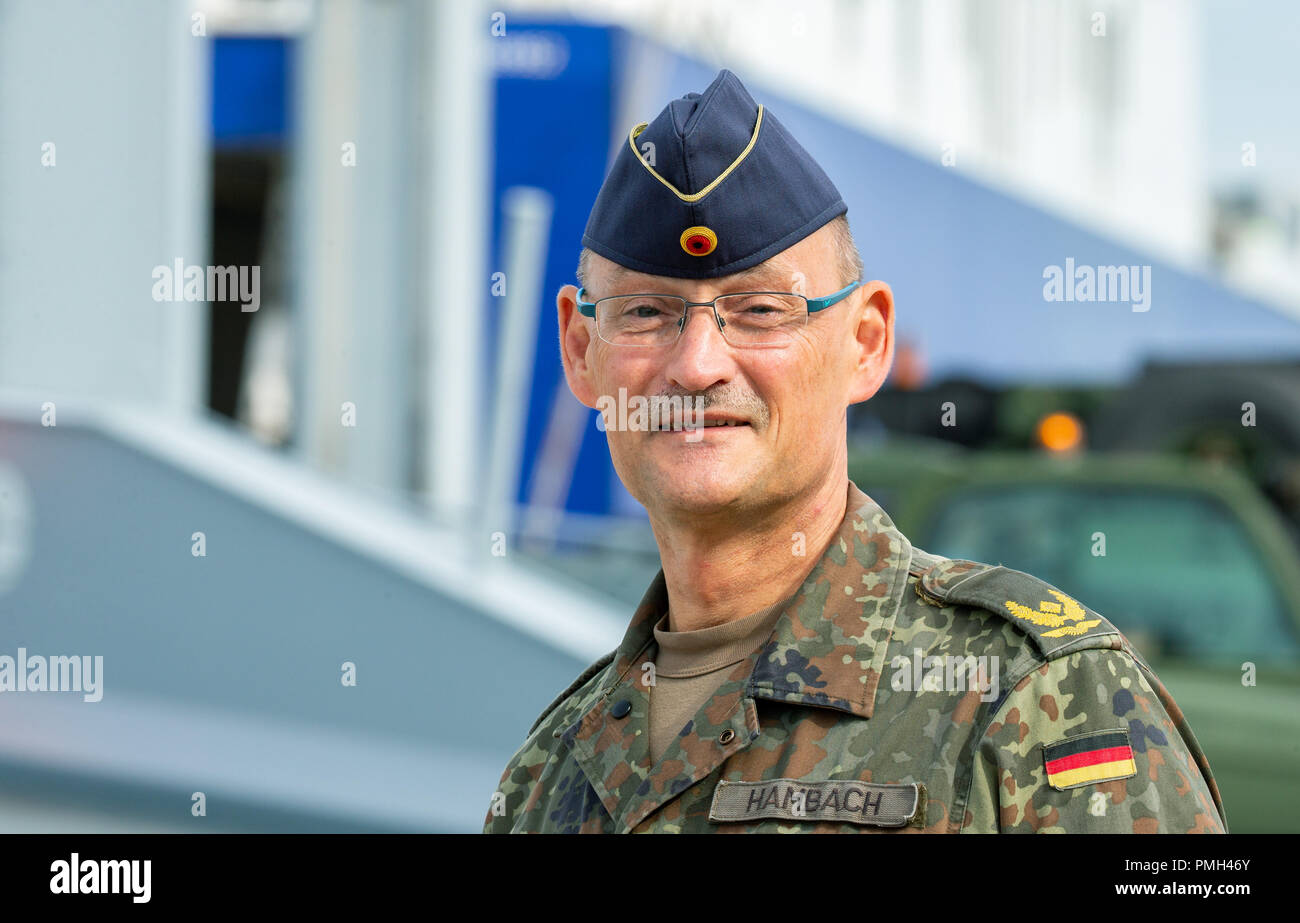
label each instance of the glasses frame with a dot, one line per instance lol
(588, 309)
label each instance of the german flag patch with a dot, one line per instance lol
(1102, 756)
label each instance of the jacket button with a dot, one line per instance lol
(726, 737)
(621, 708)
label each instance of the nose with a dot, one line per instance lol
(701, 357)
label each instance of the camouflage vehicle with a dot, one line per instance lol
(1185, 557)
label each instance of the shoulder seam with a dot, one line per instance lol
(1011, 685)
(922, 561)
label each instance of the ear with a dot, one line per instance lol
(874, 341)
(577, 337)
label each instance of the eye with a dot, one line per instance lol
(765, 307)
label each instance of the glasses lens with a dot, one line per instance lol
(762, 319)
(639, 320)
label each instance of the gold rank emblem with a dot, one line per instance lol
(1056, 615)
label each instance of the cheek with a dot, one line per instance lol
(616, 368)
(809, 396)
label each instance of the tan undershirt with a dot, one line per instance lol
(691, 665)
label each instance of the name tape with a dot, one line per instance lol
(845, 801)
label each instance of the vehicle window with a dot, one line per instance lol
(1180, 575)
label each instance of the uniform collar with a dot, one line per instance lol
(828, 646)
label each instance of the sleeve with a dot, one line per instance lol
(1086, 744)
(497, 819)
(516, 788)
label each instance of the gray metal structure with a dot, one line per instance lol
(222, 673)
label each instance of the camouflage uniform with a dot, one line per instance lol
(823, 730)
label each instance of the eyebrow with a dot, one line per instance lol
(760, 275)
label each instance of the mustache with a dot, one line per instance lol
(727, 399)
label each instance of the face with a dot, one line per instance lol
(786, 405)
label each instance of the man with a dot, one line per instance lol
(797, 665)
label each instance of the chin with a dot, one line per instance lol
(701, 488)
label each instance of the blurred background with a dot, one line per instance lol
(340, 537)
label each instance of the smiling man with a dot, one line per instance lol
(797, 665)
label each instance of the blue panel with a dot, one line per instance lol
(250, 91)
(554, 92)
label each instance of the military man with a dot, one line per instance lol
(798, 665)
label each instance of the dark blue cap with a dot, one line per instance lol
(723, 188)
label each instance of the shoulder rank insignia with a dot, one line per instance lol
(1056, 622)
(1102, 756)
(1055, 615)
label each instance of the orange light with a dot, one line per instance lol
(1060, 432)
(909, 371)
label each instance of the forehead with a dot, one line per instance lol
(774, 273)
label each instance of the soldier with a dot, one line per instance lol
(797, 665)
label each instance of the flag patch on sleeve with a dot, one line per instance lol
(1099, 757)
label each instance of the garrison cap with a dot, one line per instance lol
(724, 187)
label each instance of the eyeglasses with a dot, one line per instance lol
(746, 319)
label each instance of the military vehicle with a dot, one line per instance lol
(1184, 556)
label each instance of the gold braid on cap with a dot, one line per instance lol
(695, 196)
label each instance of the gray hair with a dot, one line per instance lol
(848, 259)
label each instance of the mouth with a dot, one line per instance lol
(709, 422)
